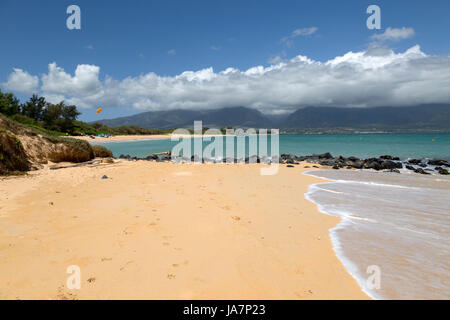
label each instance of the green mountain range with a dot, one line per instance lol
(433, 117)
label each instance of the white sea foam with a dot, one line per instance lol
(399, 222)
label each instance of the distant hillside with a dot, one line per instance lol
(380, 118)
(237, 116)
(420, 118)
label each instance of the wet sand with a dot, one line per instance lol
(165, 231)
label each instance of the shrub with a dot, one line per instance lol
(101, 151)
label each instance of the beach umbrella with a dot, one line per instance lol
(99, 110)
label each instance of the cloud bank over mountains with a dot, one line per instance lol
(375, 77)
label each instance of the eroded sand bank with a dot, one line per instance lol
(165, 231)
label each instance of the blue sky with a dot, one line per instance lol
(133, 38)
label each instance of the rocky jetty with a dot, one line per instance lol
(382, 163)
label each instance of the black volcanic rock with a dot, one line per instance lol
(438, 163)
(323, 156)
(414, 161)
(421, 171)
(388, 157)
(373, 163)
(391, 165)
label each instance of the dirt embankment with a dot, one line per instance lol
(23, 148)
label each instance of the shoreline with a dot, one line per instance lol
(247, 238)
(335, 241)
(124, 138)
(372, 204)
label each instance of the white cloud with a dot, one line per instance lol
(171, 52)
(375, 77)
(394, 34)
(21, 81)
(275, 59)
(84, 83)
(298, 33)
(304, 31)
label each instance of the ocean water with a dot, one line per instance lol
(431, 145)
(397, 222)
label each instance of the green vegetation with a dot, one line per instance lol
(101, 152)
(98, 128)
(60, 119)
(38, 148)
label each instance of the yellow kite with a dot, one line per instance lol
(99, 110)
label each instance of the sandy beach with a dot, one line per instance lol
(136, 137)
(124, 138)
(165, 231)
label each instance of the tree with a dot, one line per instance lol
(9, 104)
(97, 125)
(50, 116)
(60, 117)
(34, 108)
(70, 112)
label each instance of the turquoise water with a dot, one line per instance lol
(431, 145)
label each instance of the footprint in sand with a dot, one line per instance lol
(236, 218)
(304, 294)
(126, 264)
(90, 280)
(127, 232)
(171, 276)
(62, 295)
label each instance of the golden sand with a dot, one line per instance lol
(125, 138)
(165, 231)
(138, 137)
